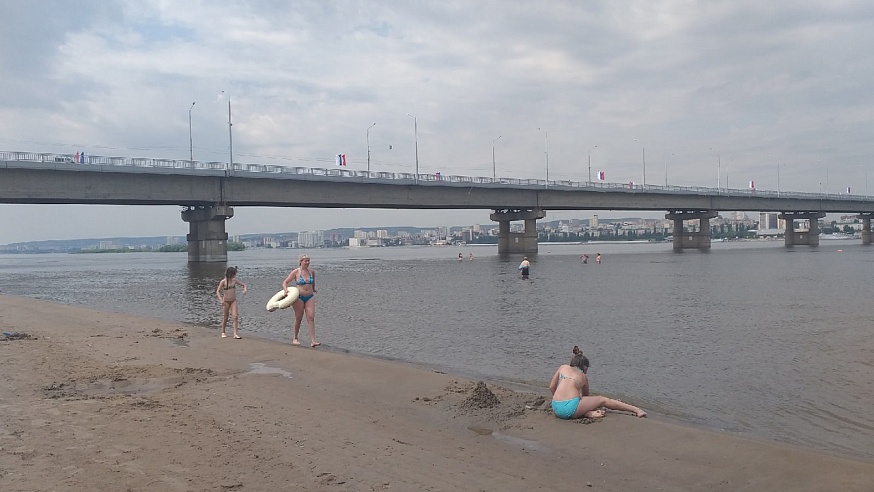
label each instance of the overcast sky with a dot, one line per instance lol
(710, 92)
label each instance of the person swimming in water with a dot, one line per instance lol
(570, 392)
(304, 278)
(227, 295)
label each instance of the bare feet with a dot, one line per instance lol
(224, 335)
(594, 414)
(640, 413)
(316, 344)
(237, 337)
(295, 342)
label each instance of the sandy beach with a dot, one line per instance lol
(93, 400)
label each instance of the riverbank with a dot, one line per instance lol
(96, 400)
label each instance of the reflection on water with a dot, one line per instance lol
(750, 338)
(201, 278)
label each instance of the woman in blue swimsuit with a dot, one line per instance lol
(570, 392)
(304, 278)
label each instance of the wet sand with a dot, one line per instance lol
(93, 400)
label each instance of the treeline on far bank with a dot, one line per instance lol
(169, 248)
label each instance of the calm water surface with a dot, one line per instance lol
(750, 338)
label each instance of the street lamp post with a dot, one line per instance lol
(416, 136)
(546, 151)
(719, 173)
(778, 175)
(779, 165)
(666, 169)
(230, 138)
(494, 171)
(190, 140)
(368, 146)
(718, 170)
(590, 162)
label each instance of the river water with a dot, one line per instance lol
(750, 338)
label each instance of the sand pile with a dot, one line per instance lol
(481, 397)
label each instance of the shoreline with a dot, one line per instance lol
(531, 388)
(106, 400)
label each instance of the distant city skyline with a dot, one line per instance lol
(595, 220)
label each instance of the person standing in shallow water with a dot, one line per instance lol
(598, 258)
(304, 278)
(227, 295)
(524, 267)
(570, 392)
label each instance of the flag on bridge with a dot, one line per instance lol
(601, 176)
(341, 160)
(752, 185)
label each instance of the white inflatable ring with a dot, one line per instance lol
(282, 301)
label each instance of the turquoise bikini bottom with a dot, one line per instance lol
(565, 409)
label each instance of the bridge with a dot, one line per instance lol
(208, 191)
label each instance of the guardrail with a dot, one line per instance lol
(186, 166)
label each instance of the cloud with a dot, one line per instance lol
(692, 82)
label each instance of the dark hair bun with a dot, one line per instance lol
(577, 351)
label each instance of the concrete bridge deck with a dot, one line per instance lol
(215, 187)
(144, 181)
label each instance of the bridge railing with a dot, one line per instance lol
(72, 161)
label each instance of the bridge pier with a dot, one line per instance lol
(866, 227)
(517, 242)
(792, 238)
(207, 239)
(691, 240)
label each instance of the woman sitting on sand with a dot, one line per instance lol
(570, 392)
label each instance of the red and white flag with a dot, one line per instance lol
(341, 160)
(601, 176)
(752, 185)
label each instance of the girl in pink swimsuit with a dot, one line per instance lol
(227, 295)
